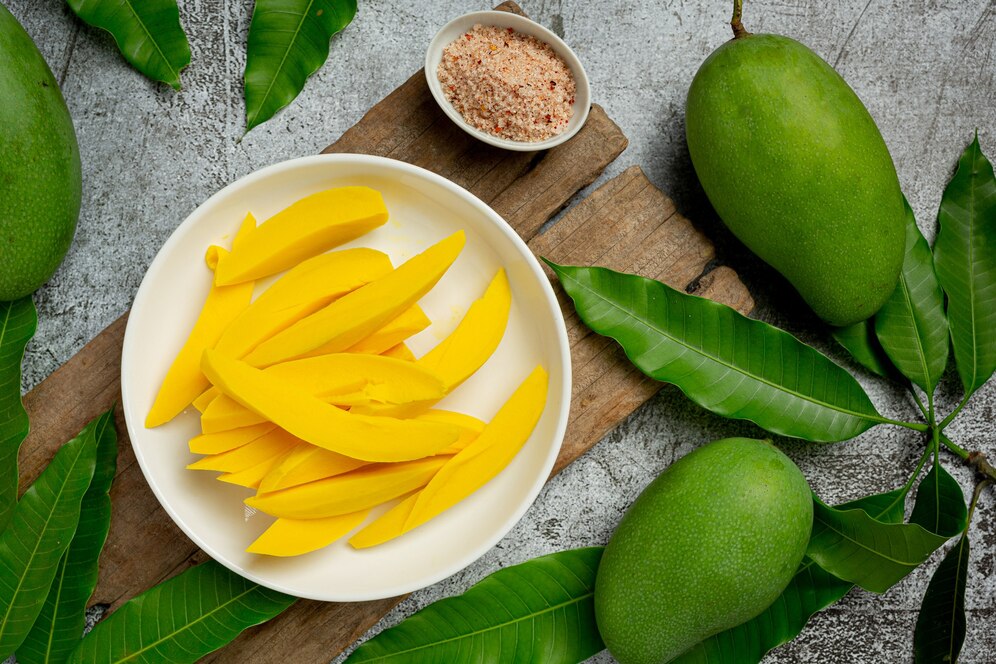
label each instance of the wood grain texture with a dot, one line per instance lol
(627, 224)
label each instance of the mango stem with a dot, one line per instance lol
(738, 27)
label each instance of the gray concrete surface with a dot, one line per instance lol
(925, 68)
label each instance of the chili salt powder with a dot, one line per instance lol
(508, 84)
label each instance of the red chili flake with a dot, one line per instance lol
(553, 84)
(511, 31)
(497, 128)
(478, 62)
(571, 100)
(548, 119)
(469, 36)
(452, 88)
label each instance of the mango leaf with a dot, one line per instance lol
(59, 626)
(39, 533)
(854, 547)
(182, 619)
(911, 325)
(17, 325)
(727, 363)
(812, 589)
(965, 258)
(148, 34)
(940, 504)
(538, 611)
(940, 626)
(288, 42)
(860, 341)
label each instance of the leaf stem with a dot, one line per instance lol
(951, 445)
(975, 459)
(916, 472)
(915, 426)
(919, 402)
(954, 413)
(975, 501)
(735, 23)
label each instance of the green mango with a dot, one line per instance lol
(709, 544)
(40, 181)
(796, 168)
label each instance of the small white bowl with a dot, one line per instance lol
(463, 24)
(424, 208)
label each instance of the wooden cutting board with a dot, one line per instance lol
(627, 224)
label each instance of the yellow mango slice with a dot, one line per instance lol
(311, 419)
(410, 322)
(400, 352)
(251, 477)
(341, 379)
(216, 443)
(354, 316)
(309, 227)
(206, 397)
(266, 447)
(184, 381)
(293, 537)
(470, 427)
(350, 492)
(305, 289)
(307, 463)
(468, 470)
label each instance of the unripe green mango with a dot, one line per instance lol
(709, 544)
(794, 165)
(40, 183)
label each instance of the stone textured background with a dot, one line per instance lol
(925, 68)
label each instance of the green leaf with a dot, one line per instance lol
(182, 619)
(148, 34)
(539, 611)
(17, 325)
(854, 547)
(965, 258)
(860, 341)
(42, 527)
(911, 325)
(812, 589)
(288, 42)
(940, 626)
(940, 504)
(59, 626)
(727, 363)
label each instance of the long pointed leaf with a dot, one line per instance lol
(182, 619)
(812, 589)
(911, 325)
(965, 258)
(39, 533)
(853, 546)
(288, 42)
(17, 325)
(148, 34)
(729, 364)
(538, 611)
(59, 626)
(940, 504)
(860, 341)
(940, 626)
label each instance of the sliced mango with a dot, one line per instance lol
(216, 443)
(266, 447)
(468, 470)
(341, 379)
(354, 316)
(307, 463)
(311, 419)
(410, 322)
(293, 537)
(400, 352)
(251, 477)
(305, 289)
(204, 400)
(350, 492)
(470, 427)
(308, 227)
(184, 381)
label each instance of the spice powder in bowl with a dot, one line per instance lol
(508, 84)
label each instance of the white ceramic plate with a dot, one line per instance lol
(462, 24)
(424, 208)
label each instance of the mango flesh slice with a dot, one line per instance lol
(465, 350)
(216, 443)
(252, 476)
(206, 397)
(410, 322)
(307, 463)
(269, 446)
(350, 492)
(400, 352)
(354, 316)
(184, 381)
(305, 289)
(294, 537)
(470, 469)
(311, 419)
(309, 227)
(341, 379)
